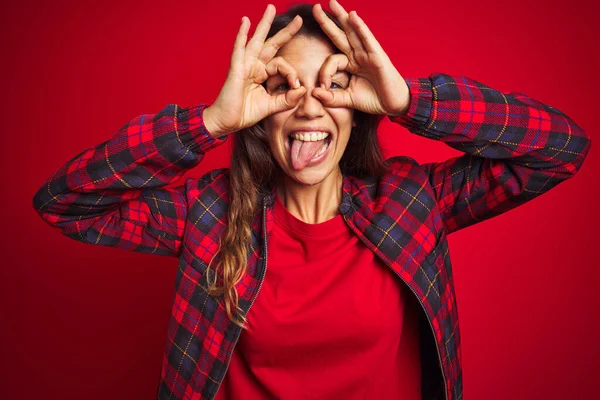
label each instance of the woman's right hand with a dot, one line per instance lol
(243, 101)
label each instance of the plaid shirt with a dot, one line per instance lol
(116, 194)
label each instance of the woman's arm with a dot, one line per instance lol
(516, 147)
(113, 195)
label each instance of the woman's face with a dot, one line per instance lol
(309, 117)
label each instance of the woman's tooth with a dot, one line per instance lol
(310, 136)
(321, 150)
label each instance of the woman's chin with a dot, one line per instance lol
(309, 176)
(309, 180)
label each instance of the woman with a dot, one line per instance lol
(358, 300)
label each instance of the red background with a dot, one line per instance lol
(81, 321)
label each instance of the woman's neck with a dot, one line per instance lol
(312, 204)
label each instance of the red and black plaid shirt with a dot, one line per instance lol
(115, 194)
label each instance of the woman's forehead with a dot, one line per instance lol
(306, 55)
(308, 51)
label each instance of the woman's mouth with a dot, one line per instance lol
(307, 148)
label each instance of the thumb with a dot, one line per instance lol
(333, 98)
(287, 100)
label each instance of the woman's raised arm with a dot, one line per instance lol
(517, 148)
(112, 194)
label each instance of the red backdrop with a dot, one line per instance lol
(86, 322)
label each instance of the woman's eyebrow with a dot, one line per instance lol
(343, 73)
(278, 77)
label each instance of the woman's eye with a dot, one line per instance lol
(282, 86)
(285, 86)
(335, 86)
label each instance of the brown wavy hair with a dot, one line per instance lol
(253, 172)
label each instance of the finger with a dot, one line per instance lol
(333, 64)
(262, 30)
(239, 46)
(367, 37)
(337, 36)
(342, 16)
(333, 98)
(285, 101)
(279, 66)
(272, 46)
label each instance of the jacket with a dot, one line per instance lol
(117, 194)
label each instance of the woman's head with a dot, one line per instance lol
(262, 153)
(356, 149)
(307, 160)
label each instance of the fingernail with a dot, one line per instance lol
(323, 85)
(297, 83)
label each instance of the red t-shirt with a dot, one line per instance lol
(330, 322)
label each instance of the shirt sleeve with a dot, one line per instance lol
(516, 148)
(113, 194)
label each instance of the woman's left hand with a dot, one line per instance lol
(376, 86)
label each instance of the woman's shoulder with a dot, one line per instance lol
(213, 175)
(214, 184)
(405, 166)
(396, 161)
(403, 176)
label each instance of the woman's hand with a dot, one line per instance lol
(375, 87)
(243, 101)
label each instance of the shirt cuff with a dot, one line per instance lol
(193, 132)
(421, 102)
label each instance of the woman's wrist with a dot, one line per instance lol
(403, 110)
(210, 123)
(400, 112)
(405, 101)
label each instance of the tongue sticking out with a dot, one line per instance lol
(302, 152)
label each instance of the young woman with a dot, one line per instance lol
(358, 299)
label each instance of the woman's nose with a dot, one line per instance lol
(310, 106)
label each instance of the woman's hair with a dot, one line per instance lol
(253, 171)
